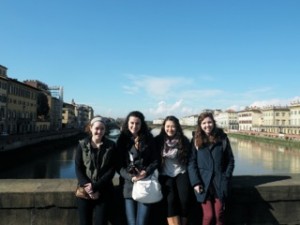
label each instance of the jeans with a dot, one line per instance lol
(137, 213)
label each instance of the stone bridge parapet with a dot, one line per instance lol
(255, 200)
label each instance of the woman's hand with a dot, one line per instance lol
(93, 195)
(141, 175)
(88, 188)
(199, 189)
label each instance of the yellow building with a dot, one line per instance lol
(68, 116)
(249, 119)
(295, 117)
(21, 107)
(275, 119)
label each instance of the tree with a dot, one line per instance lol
(42, 105)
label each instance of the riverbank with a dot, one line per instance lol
(44, 144)
(13, 142)
(287, 140)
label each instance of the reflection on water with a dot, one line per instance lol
(258, 158)
(59, 164)
(251, 158)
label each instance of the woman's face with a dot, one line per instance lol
(134, 125)
(170, 128)
(207, 125)
(97, 130)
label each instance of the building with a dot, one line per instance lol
(69, 119)
(294, 117)
(249, 118)
(21, 107)
(227, 120)
(189, 120)
(275, 119)
(158, 121)
(3, 98)
(84, 114)
(55, 103)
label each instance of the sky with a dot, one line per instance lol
(161, 57)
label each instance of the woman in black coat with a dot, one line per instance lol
(137, 160)
(210, 168)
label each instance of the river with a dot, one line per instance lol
(251, 158)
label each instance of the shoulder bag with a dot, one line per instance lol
(147, 190)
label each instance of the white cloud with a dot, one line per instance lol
(181, 96)
(192, 94)
(235, 107)
(258, 91)
(271, 102)
(164, 109)
(130, 89)
(154, 86)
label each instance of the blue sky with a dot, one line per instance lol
(160, 57)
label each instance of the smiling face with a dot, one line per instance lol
(170, 128)
(134, 125)
(207, 125)
(98, 130)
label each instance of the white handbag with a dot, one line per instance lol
(147, 190)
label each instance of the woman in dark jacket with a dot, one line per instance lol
(137, 160)
(210, 168)
(95, 162)
(174, 147)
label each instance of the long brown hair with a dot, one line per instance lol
(201, 138)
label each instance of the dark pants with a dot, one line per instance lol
(90, 210)
(177, 194)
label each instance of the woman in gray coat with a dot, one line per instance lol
(210, 168)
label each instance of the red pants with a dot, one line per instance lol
(213, 208)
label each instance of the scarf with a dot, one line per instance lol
(137, 143)
(170, 149)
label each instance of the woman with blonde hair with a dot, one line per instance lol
(95, 162)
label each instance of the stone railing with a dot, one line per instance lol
(254, 200)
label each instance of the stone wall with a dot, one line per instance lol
(254, 200)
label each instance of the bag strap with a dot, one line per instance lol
(130, 156)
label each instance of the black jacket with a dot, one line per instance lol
(146, 158)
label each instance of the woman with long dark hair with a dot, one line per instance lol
(174, 148)
(137, 160)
